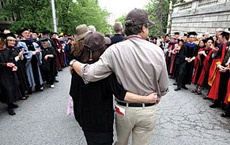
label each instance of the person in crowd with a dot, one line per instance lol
(118, 37)
(9, 82)
(204, 59)
(91, 28)
(59, 51)
(33, 60)
(169, 47)
(48, 67)
(218, 79)
(20, 61)
(192, 50)
(133, 61)
(167, 38)
(176, 35)
(97, 129)
(180, 64)
(226, 112)
(198, 64)
(153, 39)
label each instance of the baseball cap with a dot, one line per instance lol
(95, 41)
(138, 17)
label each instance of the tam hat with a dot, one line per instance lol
(23, 30)
(10, 36)
(95, 41)
(138, 17)
(81, 31)
(209, 38)
(44, 39)
(45, 32)
(192, 33)
(176, 33)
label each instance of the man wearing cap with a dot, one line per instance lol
(140, 67)
(34, 59)
(192, 50)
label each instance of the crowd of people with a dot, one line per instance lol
(130, 65)
(29, 63)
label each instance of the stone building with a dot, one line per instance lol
(200, 16)
(5, 23)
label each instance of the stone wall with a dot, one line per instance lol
(201, 16)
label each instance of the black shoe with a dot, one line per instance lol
(29, 91)
(225, 114)
(177, 89)
(14, 105)
(207, 98)
(174, 83)
(184, 87)
(11, 111)
(215, 105)
(56, 81)
(39, 89)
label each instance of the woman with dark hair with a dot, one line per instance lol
(93, 102)
(8, 80)
(204, 60)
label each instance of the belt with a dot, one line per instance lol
(135, 104)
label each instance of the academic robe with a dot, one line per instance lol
(48, 67)
(215, 76)
(198, 65)
(8, 79)
(32, 63)
(60, 55)
(21, 72)
(203, 79)
(192, 50)
(180, 63)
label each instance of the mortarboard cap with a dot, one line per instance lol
(10, 35)
(176, 33)
(192, 33)
(209, 38)
(44, 39)
(24, 29)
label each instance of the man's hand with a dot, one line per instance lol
(152, 98)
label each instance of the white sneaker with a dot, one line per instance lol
(51, 86)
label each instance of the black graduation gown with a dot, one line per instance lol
(21, 72)
(181, 63)
(48, 67)
(8, 79)
(192, 50)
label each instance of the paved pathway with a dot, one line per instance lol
(183, 119)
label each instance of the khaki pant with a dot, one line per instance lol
(138, 120)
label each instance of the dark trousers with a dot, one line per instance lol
(96, 138)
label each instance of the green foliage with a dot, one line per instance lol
(158, 12)
(89, 12)
(37, 15)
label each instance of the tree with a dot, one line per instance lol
(37, 15)
(158, 11)
(89, 12)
